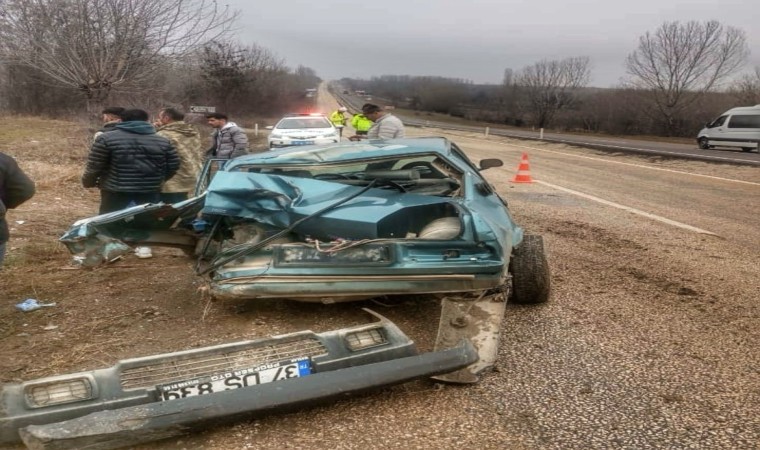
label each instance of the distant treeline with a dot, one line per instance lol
(679, 76)
(622, 110)
(239, 80)
(76, 56)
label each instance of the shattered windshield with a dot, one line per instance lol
(421, 174)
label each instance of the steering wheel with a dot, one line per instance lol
(423, 167)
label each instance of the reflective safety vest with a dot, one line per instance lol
(361, 123)
(337, 118)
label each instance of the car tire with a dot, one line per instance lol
(529, 267)
(703, 143)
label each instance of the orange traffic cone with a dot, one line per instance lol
(523, 171)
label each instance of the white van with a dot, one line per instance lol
(737, 127)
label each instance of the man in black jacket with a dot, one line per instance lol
(15, 188)
(130, 163)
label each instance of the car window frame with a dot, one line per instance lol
(750, 125)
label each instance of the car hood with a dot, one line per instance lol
(280, 201)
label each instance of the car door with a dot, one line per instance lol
(716, 131)
(743, 130)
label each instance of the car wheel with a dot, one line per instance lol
(530, 272)
(703, 144)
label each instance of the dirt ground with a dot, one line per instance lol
(131, 308)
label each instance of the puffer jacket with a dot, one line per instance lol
(15, 188)
(132, 158)
(360, 122)
(228, 142)
(187, 141)
(338, 118)
(108, 126)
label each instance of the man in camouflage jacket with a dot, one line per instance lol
(187, 141)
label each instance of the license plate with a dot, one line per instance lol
(301, 142)
(236, 379)
(302, 256)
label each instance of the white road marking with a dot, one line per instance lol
(641, 166)
(656, 152)
(628, 208)
(618, 162)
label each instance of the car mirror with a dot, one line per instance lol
(490, 162)
(269, 127)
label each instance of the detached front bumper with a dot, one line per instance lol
(122, 405)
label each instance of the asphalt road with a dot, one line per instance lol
(649, 340)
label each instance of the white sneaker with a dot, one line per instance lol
(143, 252)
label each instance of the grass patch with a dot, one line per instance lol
(32, 253)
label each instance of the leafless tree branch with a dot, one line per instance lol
(102, 46)
(746, 90)
(548, 85)
(679, 62)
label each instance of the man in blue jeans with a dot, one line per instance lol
(15, 188)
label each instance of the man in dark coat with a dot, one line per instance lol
(130, 163)
(15, 188)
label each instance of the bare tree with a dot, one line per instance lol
(548, 86)
(242, 75)
(102, 46)
(678, 63)
(746, 90)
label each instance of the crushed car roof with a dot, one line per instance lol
(346, 151)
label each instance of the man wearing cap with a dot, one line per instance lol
(385, 126)
(338, 119)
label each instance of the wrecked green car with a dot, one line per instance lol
(327, 224)
(346, 222)
(323, 224)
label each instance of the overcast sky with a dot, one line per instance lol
(470, 39)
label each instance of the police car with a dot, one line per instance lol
(302, 129)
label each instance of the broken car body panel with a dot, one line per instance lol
(265, 372)
(380, 239)
(340, 223)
